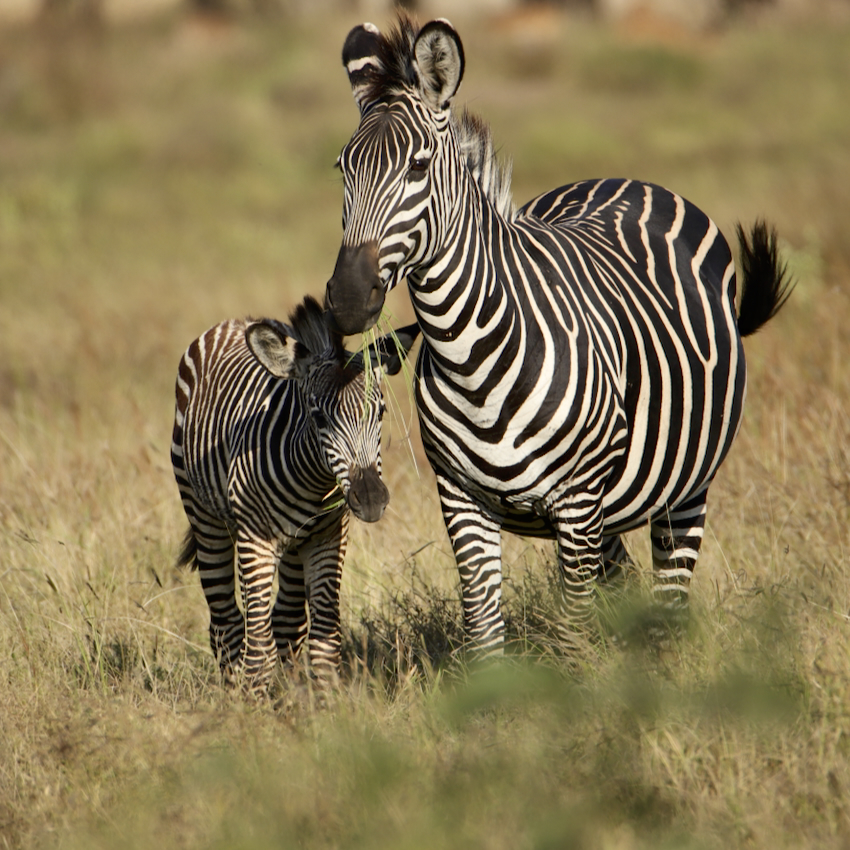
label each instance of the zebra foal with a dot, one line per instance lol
(582, 370)
(277, 433)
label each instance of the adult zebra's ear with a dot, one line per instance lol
(439, 63)
(392, 349)
(277, 352)
(360, 57)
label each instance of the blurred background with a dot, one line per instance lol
(167, 164)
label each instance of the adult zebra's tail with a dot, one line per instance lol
(765, 284)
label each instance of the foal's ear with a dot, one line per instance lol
(360, 57)
(439, 63)
(276, 351)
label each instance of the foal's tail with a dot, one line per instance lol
(765, 283)
(186, 558)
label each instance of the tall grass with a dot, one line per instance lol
(180, 176)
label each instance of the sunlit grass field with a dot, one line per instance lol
(157, 179)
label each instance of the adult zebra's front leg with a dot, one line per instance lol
(577, 517)
(475, 537)
(617, 563)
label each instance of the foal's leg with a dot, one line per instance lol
(289, 617)
(323, 558)
(215, 565)
(257, 561)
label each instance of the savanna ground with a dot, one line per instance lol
(157, 179)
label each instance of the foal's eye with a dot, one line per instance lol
(320, 419)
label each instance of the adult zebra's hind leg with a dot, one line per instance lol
(621, 619)
(676, 539)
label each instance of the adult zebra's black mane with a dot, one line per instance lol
(494, 178)
(394, 73)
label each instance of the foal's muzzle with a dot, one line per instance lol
(368, 496)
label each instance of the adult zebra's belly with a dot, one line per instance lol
(624, 508)
(670, 449)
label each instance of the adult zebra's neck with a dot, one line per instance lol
(465, 306)
(494, 361)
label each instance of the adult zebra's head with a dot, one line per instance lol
(341, 397)
(401, 165)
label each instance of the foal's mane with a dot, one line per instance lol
(310, 328)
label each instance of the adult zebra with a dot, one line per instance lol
(582, 372)
(277, 434)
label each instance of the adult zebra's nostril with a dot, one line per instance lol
(375, 301)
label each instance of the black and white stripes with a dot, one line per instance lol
(582, 371)
(276, 439)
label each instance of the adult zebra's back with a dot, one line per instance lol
(277, 433)
(582, 371)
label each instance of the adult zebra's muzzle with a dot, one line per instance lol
(355, 292)
(368, 496)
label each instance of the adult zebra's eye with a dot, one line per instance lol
(320, 419)
(419, 164)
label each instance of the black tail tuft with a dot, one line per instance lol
(187, 553)
(765, 285)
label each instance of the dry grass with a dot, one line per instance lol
(162, 179)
